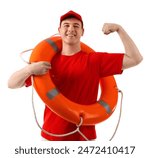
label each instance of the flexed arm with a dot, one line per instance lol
(132, 55)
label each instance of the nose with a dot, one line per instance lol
(71, 28)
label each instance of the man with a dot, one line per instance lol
(76, 74)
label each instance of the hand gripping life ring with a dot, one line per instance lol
(71, 111)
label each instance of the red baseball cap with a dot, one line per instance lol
(71, 14)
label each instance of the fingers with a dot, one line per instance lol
(44, 64)
(109, 28)
(47, 65)
(40, 68)
(106, 29)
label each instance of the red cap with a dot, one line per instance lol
(71, 14)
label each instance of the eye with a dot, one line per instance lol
(76, 26)
(66, 25)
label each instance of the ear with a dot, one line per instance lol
(82, 31)
(59, 29)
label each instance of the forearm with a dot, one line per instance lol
(132, 55)
(18, 78)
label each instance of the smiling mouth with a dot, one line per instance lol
(71, 35)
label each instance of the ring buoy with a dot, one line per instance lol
(71, 111)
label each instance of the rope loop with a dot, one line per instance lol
(53, 134)
(81, 118)
(119, 115)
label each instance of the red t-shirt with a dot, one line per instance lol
(77, 78)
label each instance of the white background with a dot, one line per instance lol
(25, 23)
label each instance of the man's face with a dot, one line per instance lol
(71, 30)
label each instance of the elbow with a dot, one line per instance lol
(139, 60)
(11, 85)
(136, 61)
(130, 62)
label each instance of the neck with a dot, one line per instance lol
(70, 49)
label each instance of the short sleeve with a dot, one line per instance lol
(108, 64)
(28, 82)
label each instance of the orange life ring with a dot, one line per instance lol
(70, 111)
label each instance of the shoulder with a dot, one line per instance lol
(97, 56)
(93, 54)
